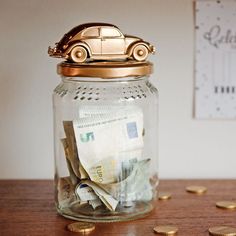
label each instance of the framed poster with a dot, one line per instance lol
(215, 59)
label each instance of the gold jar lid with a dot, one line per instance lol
(105, 69)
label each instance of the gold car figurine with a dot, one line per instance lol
(100, 41)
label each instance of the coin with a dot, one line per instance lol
(166, 230)
(81, 227)
(164, 195)
(196, 189)
(222, 231)
(226, 204)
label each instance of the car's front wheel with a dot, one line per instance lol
(140, 52)
(78, 54)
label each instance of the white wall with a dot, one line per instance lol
(188, 148)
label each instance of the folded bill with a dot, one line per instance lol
(110, 202)
(72, 151)
(95, 203)
(136, 187)
(73, 176)
(66, 191)
(86, 194)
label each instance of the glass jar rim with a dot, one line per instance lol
(106, 70)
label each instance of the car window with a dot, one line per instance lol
(110, 32)
(91, 32)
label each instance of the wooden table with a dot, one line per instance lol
(27, 208)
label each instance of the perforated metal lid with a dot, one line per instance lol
(104, 69)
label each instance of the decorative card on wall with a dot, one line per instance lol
(215, 60)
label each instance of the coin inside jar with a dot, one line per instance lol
(222, 231)
(166, 230)
(164, 196)
(226, 204)
(81, 227)
(196, 189)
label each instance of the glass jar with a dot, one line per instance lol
(106, 146)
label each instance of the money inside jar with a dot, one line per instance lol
(103, 150)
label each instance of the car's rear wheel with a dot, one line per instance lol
(78, 54)
(140, 52)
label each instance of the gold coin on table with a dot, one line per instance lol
(166, 230)
(81, 227)
(164, 196)
(222, 231)
(196, 189)
(226, 205)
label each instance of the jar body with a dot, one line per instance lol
(106, 148)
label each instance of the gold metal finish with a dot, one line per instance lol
(166, 230)
(100, 41)
(196, 189)
(164, 196)
(226, 204)
(222, 231)
(106, 70)
(78, 54)
(81, 227)
(140, 53)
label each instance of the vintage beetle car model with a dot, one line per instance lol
(100, 41)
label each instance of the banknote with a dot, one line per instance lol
(86, 194)
(136, 187)
(73, 176)
(114, 168)
(78, 169)
(108, 140)
(65, 191)
(96, 111)
(109, 201)
(95, 203)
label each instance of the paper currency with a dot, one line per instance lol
(106, 141)
(85, 192)
(110, 202)
(96, 111)
(73, 177)
(104, 153)
(95, 203)
(66, 191)
(72, 150)
(135, 187)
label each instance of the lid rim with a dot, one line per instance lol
(106, 70)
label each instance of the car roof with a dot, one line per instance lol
(81, 27)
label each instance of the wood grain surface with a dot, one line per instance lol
(27, 208)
